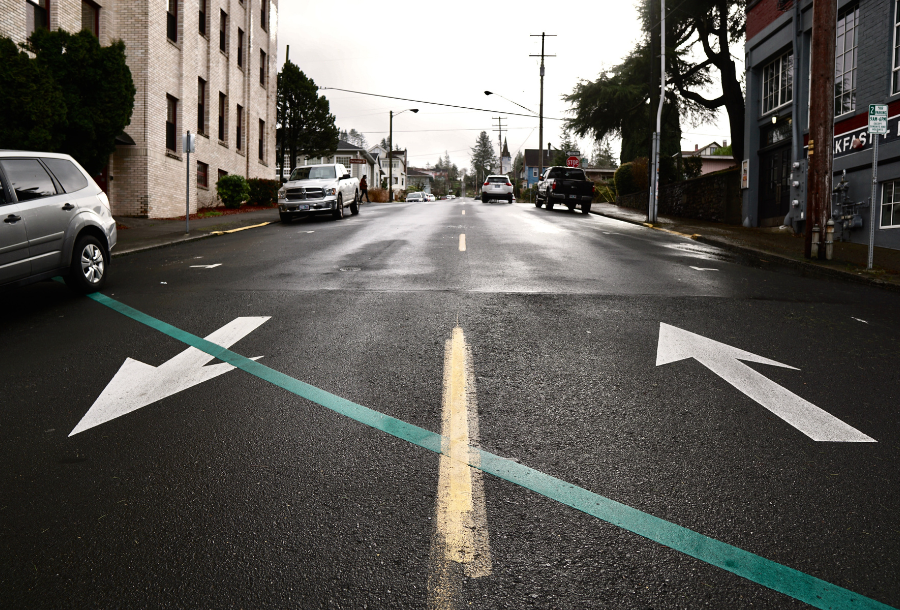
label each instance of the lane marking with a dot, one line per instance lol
(462, 242)
(262, 224)
(858, 320)
(464, 213)
(725, 361)
(703, 268)
(206, 266)
(799, 585)
(137, 385)
(461, 534)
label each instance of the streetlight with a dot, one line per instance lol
(391, 153)
(510, 101)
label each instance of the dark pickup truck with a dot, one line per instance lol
(566, 185)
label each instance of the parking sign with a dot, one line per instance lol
(878, 118)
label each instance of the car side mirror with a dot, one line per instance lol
(345, 176)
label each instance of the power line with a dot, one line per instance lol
(404, 99)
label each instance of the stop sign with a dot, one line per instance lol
(572, 162)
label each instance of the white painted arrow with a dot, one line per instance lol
(723, 360)
(137, 384)
(206, 266)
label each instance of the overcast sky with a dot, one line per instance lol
(452, 53)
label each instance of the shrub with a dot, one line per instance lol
(233, 190)
(624, 179)
(692, 167)
(263, 192)
(378, 195)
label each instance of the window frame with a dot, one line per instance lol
(240, 48)
(96, 16)
(223, 116)
(45, 10)
(895, 70)
(780, 81)
(202, 91)
(895, 204)
(263, 16)
(172, 20)
(201, 9)
(239, 127)
(852, 9)
(264, 67)
(223, 31)
(172, 126)
(204, 173)
(262, 140)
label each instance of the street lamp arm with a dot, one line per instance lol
(510, 101)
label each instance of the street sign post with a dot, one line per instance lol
(572, 162)
(188, 145)
(878, 118)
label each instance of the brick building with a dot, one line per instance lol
(207, 66)
(867, 71)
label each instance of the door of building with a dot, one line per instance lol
(774, 185)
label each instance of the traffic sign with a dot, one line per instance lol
(878, 118)
(572, 162)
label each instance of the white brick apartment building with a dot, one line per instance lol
(207, 66)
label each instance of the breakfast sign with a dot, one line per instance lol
(844, 142)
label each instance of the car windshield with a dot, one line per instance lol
(317, 172)
(498, 179)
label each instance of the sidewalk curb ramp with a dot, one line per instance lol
(763, 256)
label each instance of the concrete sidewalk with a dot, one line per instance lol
(775, 244)
(139, 234)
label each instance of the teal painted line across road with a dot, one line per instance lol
(799, 585)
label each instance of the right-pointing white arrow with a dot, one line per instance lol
(725, 361)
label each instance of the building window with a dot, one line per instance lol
(171, 120)
(262, 15)
(263, 66)
(778, 83)
(890, 204)
(240, 126)
(37, 15)
(223, 100)
(203, 17)
(223, 31)
(201, 106)
(345, 161)
(202, 174)
(240, 48)
(896, 75)
(845, 61)
(222, 174)
(172, 20)
(534, 172)
(90, 17)
(262, 140)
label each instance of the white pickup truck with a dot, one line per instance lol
(318, 189)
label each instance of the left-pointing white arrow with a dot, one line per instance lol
(137, 384)
(723, 360)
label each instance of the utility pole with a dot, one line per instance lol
(821, 123)
(654, 160)
(391, 158)
(543, 35)
(499, 129)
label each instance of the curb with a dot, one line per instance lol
(184, 241)
(806, 267)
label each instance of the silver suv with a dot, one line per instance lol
(498, 188)
(56, 221)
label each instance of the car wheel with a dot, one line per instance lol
(89, 267)
(354, 207)
(549, 201)
(339, 210)
(285, 218)
(484, 199)
(585, 208)
(537, 202)
(509, 199)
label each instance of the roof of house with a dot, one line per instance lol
(531, 157)
(412, 172)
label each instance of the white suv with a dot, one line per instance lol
(56, 221)
(497, 188)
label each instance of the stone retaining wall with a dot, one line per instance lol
(714, 197)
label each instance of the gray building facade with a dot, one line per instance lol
(867, 71)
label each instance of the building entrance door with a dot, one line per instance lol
(774, 185)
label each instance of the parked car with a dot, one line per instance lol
(449, 197)
(56, 221)
(415, 197)
(429, 197)
(497, 188)
(318, 189)
(566, 185)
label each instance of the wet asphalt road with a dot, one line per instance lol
(234, 493)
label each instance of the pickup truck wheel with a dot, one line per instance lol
(548, 200)
(339, 210)
(585, 208)
(354, 207)
(285, 218)
(537, 201)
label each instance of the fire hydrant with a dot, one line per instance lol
(829, 239)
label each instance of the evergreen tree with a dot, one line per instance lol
(306, 125)
(602, 155)
(483, 158)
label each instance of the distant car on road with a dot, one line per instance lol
(449, 197)
(497, 188)
(566, 185)
(56, 221)
(415, 197)
(318, 189)
(429, 197)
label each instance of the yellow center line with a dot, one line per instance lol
(461, 535)
(462, 242)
